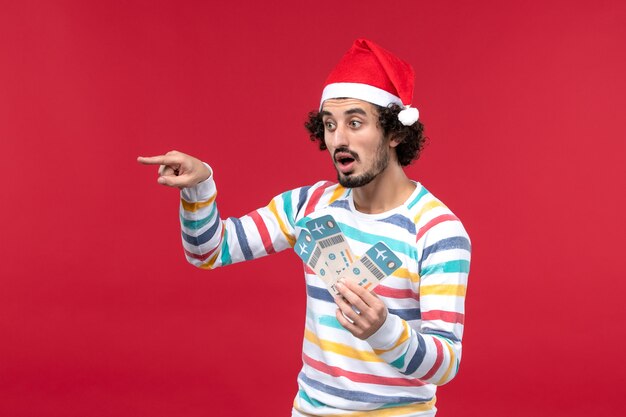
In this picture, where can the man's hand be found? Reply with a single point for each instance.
(178, 169)
(371, 315)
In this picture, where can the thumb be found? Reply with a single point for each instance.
(169, 180)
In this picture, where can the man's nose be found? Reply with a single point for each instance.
(340, 137)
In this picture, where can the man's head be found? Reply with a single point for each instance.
(366, 104)
(372, 135)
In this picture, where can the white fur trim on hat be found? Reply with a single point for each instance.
(359, 91)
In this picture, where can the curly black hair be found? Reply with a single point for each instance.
(411, 138)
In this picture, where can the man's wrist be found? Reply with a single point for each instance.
(202, 191)
(387, 335)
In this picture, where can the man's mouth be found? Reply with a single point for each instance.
(344, 160)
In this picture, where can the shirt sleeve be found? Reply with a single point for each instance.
(210, 242)
(431, 352)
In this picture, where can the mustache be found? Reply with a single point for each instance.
(344, 149)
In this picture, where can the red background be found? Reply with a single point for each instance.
(99, 313)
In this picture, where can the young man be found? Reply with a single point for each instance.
(364, 353)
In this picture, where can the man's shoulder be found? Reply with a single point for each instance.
(310, 198)
(423, 202)
(429, 212)
(322, 188)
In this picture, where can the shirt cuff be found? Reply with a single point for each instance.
(388, 334)
(200, 192)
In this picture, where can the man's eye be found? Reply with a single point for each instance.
(329, 125)
(355, 123)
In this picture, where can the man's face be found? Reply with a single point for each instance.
(355, 141)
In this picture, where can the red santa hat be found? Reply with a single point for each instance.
(370, 73)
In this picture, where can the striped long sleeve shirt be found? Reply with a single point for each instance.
(396, 370)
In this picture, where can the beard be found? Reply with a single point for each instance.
(379, 165)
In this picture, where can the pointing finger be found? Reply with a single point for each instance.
(158, 160)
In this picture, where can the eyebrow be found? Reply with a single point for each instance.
(355, 110)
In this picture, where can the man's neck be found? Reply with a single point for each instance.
(390, 189)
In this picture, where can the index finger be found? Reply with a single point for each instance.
(367, 296)
(157, 160)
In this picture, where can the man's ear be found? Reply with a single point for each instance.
(394, 140)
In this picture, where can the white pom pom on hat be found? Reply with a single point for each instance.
(408, 116)
(370, 73)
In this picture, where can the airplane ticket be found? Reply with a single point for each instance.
(333, 244)
(369, 270)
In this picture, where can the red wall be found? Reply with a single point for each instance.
(99, 313)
